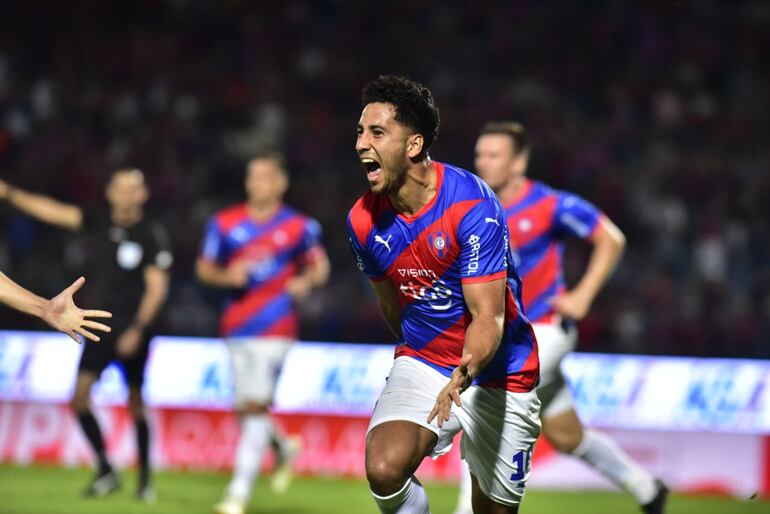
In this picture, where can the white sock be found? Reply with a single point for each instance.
(248, 455)
(603, 454)
(464, 499)
(410, 499)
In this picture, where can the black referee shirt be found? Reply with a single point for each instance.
(118, 257)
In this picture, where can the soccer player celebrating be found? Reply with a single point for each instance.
(539, 219)
(270, 256)
(433, 241)
(130, 259)
(59, 312)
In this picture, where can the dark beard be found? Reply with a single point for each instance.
(399, 177)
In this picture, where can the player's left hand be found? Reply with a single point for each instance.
(129, 341)
(61, 313)
(572, 305)
(459, 381)
(298, 287)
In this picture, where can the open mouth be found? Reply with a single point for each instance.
(372, 168)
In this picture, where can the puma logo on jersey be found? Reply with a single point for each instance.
(384, 242)
(492, 220)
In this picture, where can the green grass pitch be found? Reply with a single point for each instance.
(44, 490)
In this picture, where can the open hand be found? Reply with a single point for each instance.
(62, 314)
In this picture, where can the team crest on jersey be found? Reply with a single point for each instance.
(439, 243)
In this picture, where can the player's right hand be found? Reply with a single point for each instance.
(459, 381)
(4, 189)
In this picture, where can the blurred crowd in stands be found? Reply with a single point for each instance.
(658, 112)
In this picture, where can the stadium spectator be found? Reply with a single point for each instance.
(644, 112)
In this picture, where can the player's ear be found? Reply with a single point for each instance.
(414, 145)
(283, 183)
(144, 193)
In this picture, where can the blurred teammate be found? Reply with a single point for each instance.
(539, 219)
(433, 241)
(130, 259)
(270, 256)
(60, 312)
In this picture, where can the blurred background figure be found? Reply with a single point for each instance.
(129, 258)
(269, 256)
(539, 220)
(59, 312)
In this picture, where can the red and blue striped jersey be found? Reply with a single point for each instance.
(539, 219)
(276, 249)
(459, 237)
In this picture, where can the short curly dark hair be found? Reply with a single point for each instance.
(414, 104)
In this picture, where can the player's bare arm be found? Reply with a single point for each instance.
(486, 303)
(387, 297)
(235, 276)
(608, 244)
(315, 274)
(155, 293)
(43, 208)
(60, 312)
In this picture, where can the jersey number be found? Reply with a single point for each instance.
(523, 461)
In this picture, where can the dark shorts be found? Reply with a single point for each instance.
(97, 356)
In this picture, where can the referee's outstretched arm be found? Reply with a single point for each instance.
(43, 208)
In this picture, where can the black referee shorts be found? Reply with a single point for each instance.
(97, 356)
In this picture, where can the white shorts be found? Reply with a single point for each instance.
(499, 427)
(553, 343)
(256, 364)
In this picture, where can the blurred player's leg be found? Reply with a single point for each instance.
(144, 489)
(286, 450)
(256, 364)
(106, 480)
(93, 360)
(464, 499)
(565, 432)
(133, 368)
(248, 455)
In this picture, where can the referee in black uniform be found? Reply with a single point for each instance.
(129, 263)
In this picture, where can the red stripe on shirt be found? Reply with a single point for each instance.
(253, 301)
(542, 276)
(485, 278)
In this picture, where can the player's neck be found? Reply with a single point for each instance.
(510, 191)
(418, 189)
(262, 211)
(126, 217)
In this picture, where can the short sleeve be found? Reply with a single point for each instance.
(483, 237)
(311, 248)
(159, 250)
(364, 260)
(214, 247)
(576, 216)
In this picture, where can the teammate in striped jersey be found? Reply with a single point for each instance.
(269, 256)
(540, 219)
